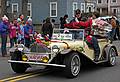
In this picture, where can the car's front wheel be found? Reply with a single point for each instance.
(18, 67)
(73, 64)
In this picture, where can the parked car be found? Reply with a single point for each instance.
(67, 50)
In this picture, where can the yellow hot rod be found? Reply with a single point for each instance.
(67, 50)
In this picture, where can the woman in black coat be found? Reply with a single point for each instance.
(47, 29)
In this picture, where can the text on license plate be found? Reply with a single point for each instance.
(36, 57)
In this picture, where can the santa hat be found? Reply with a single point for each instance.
(4, 18)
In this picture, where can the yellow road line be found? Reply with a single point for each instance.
(18, 79)
(10, 78)
(22, 77)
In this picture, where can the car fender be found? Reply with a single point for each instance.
(66, 51)
(12, 50)
(107, 48)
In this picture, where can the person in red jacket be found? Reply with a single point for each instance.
(90, 39)
(14, 30)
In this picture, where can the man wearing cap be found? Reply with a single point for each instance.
(28, 31)
(3, 33)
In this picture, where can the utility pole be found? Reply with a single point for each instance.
(24, 7)
(109, 10)
(85, 5)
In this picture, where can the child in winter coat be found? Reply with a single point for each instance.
(28, 32)
(14, 30)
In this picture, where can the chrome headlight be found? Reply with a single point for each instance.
(20, 49)
(55, 49)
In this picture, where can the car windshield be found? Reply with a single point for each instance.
(68, 34)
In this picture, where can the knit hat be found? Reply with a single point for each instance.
(29, 19)
(18, 20)
(48, 20)
(4, 18)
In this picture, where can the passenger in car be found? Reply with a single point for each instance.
(90, 39)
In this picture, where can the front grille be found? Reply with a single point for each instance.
(38, 48)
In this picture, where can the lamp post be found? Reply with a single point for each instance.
(85, 5)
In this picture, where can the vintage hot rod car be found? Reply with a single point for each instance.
(67, 50)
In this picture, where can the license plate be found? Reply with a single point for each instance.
(35, 57)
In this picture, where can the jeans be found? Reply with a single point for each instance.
(21, 41)
(12, 42)
(117, 35)
(75, 34)
(112, 34)
(3, 44)
(95, 46)
(27, 42)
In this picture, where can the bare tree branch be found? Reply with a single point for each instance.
(3, 7)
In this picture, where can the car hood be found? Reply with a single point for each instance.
(67, 44)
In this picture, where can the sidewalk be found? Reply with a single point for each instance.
(8, 45)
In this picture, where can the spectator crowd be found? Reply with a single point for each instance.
(21, 31)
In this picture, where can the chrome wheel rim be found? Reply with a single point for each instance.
(75, 65)
(112, 56)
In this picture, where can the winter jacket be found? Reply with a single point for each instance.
(62, 22)
(47, 29)
(4, 28)
(14, 30)
(28, 29)
(77, 25)
(21, 33)
(86, 25)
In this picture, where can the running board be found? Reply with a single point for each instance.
(102, 61)
(36, 63)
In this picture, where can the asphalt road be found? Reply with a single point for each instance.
(92, 73)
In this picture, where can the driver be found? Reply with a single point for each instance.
(90, 39)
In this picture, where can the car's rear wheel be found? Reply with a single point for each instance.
(111, 57)
(72, 62)
(18, 67)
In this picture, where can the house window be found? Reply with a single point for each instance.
(82, 7)
(114, 1)
(107, 1)
(14, 7)
(75, 7)
(90, 9)
(53, 9)
(29, 8)
(115, 10)
(8, 3)
(99, 1)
